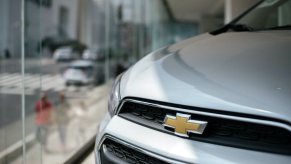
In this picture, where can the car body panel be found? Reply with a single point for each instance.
(76, 76)
(82, 63)
(94, 53)
(90, 54)
(243, 72)
(64, 53)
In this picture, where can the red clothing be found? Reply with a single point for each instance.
(43, 111)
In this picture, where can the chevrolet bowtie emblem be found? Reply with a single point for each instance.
(183, 125)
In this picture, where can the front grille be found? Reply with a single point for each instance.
(114, 152)
(220, 131)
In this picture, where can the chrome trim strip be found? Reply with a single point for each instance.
(237, 118)
(106, 136)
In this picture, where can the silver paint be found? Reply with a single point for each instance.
(235, 71)
(188, 151)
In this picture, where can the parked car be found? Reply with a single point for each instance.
(221, 97)
(52, 43)
(82, 72)
(92, 54)
(64, 54)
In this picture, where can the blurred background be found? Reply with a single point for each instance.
(58, 59)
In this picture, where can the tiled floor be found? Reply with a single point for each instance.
(94, 114)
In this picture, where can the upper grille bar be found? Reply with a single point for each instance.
(241, 132)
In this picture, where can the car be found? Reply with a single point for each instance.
(79, 73)
(220, 97)
(92, 54)
(64, 54)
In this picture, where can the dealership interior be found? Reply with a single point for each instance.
(64, 55)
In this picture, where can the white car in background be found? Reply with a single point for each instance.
(92, 54)
(79, 73)
(64, 54)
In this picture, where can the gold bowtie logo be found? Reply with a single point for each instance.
(183, 125)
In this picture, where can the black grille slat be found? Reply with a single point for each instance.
(218, 131)
(127, 154)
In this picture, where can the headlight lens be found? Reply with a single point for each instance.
(114, 98)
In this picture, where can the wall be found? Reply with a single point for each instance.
(4, 5)
(233, 8)
(9, 30)
(72, 6)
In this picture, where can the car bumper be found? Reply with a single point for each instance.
(63, 59)
(174, 149)
(77, 82)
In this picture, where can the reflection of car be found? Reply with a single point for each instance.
(80, 73)
(64, 54)
(221, 97)
(92, 54)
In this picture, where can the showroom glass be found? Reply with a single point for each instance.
(20, 81)
(132, 29)
(267, 15)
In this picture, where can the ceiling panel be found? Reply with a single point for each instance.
(193, 10)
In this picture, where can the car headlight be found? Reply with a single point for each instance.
(114, 98)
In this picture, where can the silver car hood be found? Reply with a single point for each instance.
(242, 72)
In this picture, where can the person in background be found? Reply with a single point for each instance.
(62, 118)
(7, 54)
(43, 109)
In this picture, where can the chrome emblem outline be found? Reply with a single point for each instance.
(183, 125)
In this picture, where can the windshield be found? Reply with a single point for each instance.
(270, 14)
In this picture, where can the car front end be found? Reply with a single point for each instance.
(240, 128)
(221, 97)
